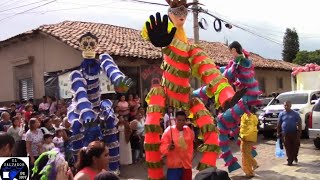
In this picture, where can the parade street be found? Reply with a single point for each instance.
(271, 168)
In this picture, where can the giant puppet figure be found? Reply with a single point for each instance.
(83, 112)
(240, 72)
(182, 61)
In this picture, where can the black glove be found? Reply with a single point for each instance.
(158, 31)
(235, 99)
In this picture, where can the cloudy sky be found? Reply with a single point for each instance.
(267, 18)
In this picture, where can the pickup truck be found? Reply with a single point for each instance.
(314, 124)
(302, 102)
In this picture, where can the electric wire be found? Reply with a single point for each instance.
(240, 27)
(10, 3)
(249, 29)
(17, 7)
(27, 10)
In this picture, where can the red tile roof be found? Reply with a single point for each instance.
(126, 42)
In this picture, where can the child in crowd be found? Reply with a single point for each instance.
(137, 100)
(56, 122)
(58, 140)
(133, 111)
(47, 143)
(135, 141)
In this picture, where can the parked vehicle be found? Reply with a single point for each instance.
(302, 102)
(314, 124)
(305, 91)
(264, 103)
(3, 110)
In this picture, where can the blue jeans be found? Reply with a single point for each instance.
(174, 174)
(135, 155)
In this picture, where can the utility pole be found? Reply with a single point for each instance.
(196, 22)
(195, 10)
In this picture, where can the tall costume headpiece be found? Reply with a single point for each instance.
(178, 3)
(179, 7)
(88, 45)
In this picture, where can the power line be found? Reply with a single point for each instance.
(142, 2)
(9, 3)
(5, 2)
(17, 7)
(239, 27)
(130, 1)
(146, 2)
(84, 7)
(277, 33)
(27, 10)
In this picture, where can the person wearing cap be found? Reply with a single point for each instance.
(248, 136)
(177, 146)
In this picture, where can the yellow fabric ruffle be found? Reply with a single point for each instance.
(151, 147)
(154, 165)
(154, 92)
(153, 129)
(209, 148)
(175, 88)
(217, 93)
(155, 108)
(202, 166)
(201, 113)
(177, 104)
(208, 128)
(173, 70)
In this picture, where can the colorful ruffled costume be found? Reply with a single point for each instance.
(239, 71)
(46, 166)
(181, 62)
(86, 96)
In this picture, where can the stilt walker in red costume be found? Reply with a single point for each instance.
(181, 61)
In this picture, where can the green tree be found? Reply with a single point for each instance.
(305, 57)
(290, 45)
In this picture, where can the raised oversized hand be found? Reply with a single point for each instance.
(158, 31)
(123, 85)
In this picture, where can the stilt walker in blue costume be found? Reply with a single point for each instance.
(82, 113)
(240, 72)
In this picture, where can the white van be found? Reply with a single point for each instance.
(302, 102)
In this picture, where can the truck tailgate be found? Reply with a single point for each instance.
(314, 133)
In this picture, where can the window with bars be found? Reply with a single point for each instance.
(26, 88)
(280, 83)
(262, 85)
